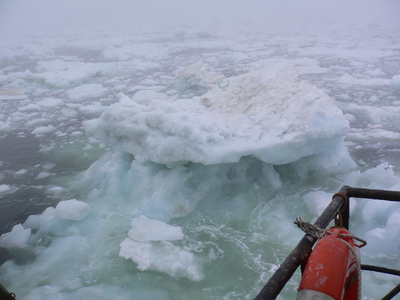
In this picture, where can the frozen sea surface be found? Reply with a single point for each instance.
(171, 165)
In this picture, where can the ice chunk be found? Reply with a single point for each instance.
(42, 175)
(30, 108)
(43, 129)
(145, 229)
(21, 172)
(92, 110)
(148, 246)
(72, 210)
(395, 81)
(4, 126)
(16, 238)
(63, 74)
(380, 177)
(348, 79)
(265, 113)
(7, 189)
(145, 97)
(50, 102)
(55, 190)
(387, 236)
(4, 188)
(198, 74)
(162, 256)
(86, 91)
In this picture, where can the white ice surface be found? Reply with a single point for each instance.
(86, 91)
(9, 94)
(266, 113)
(4, 188)
(72, 210)
(7, 189)
(395, 81)
(16, 238)
(145, 229)
(43, 129)
(148, 245)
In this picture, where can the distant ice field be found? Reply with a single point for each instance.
(172, 164)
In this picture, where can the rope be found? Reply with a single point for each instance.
(319, 233)
(309, 228)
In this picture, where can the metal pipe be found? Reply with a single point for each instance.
(392, 293)
(380, 269)
(373, 194)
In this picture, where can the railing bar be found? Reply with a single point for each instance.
(392, 293)
(380, 269)
(373, 194)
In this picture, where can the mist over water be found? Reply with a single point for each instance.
(44, 16)
(163, 150)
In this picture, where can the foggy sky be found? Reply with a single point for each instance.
(33, 16)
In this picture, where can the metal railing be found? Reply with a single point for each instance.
(299, 255)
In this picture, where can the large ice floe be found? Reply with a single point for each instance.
(264, 117)
(265, 113)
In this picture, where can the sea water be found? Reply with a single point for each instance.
(172, 164)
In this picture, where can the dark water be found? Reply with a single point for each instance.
(22, 166)
(21, 153)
